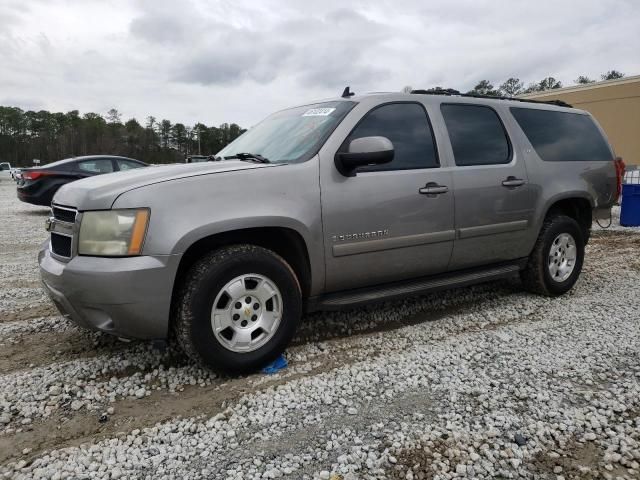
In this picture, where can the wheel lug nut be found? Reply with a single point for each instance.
(254, 318)
(256, 306)
(248, 300)
(236, 316)
(238, 305)
(244, 323)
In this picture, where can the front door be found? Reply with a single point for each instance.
(388, 222)
(494, 208)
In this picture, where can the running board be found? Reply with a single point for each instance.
(378, 293)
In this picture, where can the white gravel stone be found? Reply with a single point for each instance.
(480, 366)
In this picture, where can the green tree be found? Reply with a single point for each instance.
(178, 135)
(612, 75)
(549, 83)
(52, 136)
(151, 122)
(484, 87)
(583, 80)
(511, 87)
(113, 116)
(165, 132)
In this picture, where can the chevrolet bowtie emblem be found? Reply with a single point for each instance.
(247, 312)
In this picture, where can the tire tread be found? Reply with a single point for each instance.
(183, 316)
(533, 275)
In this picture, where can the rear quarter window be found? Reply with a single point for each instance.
(562, 136)
(477, 135)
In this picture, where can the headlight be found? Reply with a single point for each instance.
(113, 233)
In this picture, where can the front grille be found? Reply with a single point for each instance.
(61, 244)
(64, 214)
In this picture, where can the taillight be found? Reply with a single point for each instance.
(34, 175)
(620, 166)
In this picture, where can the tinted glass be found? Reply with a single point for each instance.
(99, 165)
(562, 136)
(128, 164)
(477, 135)
(407, 126)
(292, 135)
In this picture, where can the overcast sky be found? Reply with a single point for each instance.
(238, 60)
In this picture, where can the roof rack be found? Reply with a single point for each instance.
(452, 92)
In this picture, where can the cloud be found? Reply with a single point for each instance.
(236, 61)
(230, 60)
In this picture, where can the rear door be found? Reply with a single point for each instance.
(494, 205)
(381, 225)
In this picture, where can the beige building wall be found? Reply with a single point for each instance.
(616, 106)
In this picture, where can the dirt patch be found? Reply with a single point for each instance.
(43, 310)
(418, 460)
(615, 239)
(579, 461)
(38, 349)
(67, 428)
(310, 332)
(21, 283)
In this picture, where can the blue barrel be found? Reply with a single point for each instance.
(630, 209)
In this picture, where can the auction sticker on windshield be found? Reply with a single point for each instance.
(318, 112)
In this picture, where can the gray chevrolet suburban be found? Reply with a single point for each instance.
(329, 205)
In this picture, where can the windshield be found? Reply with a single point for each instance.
(292, 135)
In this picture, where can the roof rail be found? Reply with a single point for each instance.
(452, 92)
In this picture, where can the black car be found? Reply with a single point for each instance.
(38, 185)
(197, 158)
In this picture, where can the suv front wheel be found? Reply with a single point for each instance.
(238, 308)
(556, 260)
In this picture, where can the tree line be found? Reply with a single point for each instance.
(514, 86)
(47, 136)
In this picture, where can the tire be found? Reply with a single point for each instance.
(220, 276)
(537, 277)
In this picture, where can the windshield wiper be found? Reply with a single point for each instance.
(250, 157)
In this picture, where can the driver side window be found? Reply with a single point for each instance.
(408, 128)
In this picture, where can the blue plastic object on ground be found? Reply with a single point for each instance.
(630, 208)
(275, 366)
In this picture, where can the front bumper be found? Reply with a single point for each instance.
(129, 297)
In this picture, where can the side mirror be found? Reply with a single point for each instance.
(362, 152)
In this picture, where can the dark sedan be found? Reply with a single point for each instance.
(38, 185)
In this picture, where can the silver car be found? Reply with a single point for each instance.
(325, 206)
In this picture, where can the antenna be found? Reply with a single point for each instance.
(347, 93)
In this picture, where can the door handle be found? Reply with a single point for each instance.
(433, 188)
(513, 182)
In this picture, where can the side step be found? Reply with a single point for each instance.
(378, 293)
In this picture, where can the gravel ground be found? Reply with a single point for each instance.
(481, 382)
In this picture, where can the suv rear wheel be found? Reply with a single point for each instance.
(238, 308)
(556, 260)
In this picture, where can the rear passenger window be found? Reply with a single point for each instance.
(96, 166)
(408, 128)
(127, 165)
(562, 136)
(477, 135)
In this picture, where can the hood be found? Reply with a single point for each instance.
(99, 192)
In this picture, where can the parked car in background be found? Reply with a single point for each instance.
(197, 158)
(6, 167)
(326, 206)
(38, 185)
